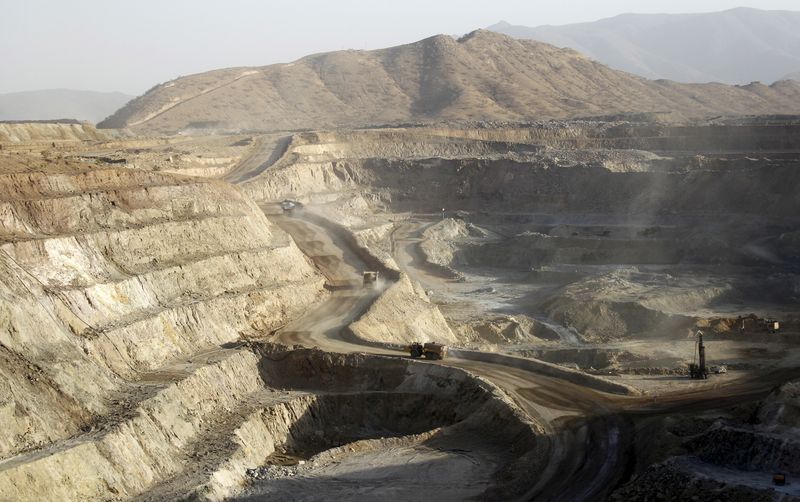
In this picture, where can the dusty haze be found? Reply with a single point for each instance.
(130, 46)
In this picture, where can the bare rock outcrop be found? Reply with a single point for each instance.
(110, 273)
(403, 314)
(43, 132)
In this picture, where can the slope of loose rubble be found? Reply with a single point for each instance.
(730, 460)
(401, 315)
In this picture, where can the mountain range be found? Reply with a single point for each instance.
(736, 46)
(481, 76)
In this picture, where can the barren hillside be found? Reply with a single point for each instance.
(165, 336)
(483, 75)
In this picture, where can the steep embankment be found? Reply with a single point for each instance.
(578, 198)
(45, 132)
(580, 167)
(111, 274)
(481, 76)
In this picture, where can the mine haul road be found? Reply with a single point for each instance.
(592, 435)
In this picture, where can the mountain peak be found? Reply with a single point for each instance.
(484, 35)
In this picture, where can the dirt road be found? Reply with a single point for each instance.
(266, 151)
(591, 434)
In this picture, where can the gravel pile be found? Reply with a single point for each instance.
(747, 449)
(667, 482)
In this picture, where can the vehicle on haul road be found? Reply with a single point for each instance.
(430, 350)
(370, 279)
(288, 207)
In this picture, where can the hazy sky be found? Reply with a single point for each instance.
(129, 46)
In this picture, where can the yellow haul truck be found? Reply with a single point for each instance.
(430, 350)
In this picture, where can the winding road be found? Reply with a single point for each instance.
(591, 434)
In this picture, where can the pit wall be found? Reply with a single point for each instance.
(112, 273)
(424, 181)
(482, 140)
(51, 387)
(536, 250)
(360, 393)
(303, 419)
(477, 185)
(43, 132)
(126, 458)
(487, 410)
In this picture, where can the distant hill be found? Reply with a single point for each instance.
(736, 46)
(60, 104)
(482, 76)
(792, 76)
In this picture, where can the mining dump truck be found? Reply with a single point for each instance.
(430, 350)
(288, 207)
(370, 279)
(698, 369)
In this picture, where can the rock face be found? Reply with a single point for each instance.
(111, 274)
(34, 132)
(546, 167)
(403, 314)
(482, 76)
(577, 194)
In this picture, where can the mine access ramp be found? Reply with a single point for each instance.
(289, 206)
(370, 278)
(430, 350)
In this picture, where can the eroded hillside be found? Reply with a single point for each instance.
(482, 76)
(110, 276)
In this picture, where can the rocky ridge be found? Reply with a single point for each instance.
(481, 76)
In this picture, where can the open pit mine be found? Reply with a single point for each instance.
(455, 304)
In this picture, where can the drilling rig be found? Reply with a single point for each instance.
(698, 369)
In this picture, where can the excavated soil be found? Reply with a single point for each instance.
(598, 248)
(159, 315)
